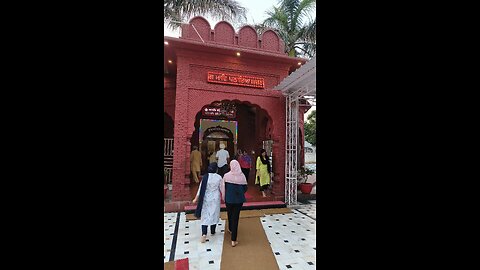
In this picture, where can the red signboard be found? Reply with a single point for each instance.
(247, 81)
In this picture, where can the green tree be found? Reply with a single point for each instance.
(311, 128)
(292, 21)
(182, 10)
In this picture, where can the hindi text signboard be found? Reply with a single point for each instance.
(239, 80)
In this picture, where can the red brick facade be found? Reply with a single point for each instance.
(188, 91)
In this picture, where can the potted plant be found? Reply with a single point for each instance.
(303, 174)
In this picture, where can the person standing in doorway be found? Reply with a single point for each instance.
(223, 157)
(195, 163)
(245, 163)
(212, 158)
(235, 186)
(208, 198)
(262, 177)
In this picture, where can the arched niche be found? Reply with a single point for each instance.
(271, 41)
(224, 33)
(247, 37)
(202, 26)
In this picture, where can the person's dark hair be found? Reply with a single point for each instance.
(212, 168)
(266, 160)
(195, 147)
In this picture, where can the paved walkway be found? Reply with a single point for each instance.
(292, 238)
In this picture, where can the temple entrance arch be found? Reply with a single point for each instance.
(239, 124)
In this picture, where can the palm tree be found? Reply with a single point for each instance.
(292, 22)
(179, 10)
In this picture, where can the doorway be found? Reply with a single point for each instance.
(210, 143)
(249, 128)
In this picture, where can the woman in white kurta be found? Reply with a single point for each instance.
(210, 205)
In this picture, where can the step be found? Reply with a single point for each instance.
(181, 264)
(189, 209)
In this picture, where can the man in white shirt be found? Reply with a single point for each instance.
(223, 158)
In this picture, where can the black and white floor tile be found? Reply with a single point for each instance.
(200, 255)
(293, 233)
(309, 209)
(170, 220)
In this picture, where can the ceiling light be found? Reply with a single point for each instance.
(166, 42)
(170, 61)
(299, 63)
(238, 53)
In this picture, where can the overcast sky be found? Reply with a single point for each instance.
(255, 14)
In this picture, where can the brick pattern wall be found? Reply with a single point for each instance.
(180, 177)
(270, 41)
(169, 84)
(224, 33)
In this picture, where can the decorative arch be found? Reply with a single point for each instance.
(224, 33)
(197, 110)
(248, 37)
(196, 104)
(271, 41)
(203, 27)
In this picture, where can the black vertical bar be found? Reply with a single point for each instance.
(174, 241)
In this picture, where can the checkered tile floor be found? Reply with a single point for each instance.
(288, 234)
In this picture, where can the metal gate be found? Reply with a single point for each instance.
(167, 160)
(291, 160)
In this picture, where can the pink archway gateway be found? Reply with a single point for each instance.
(254, 68)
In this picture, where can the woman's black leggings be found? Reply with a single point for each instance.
(246, 172)
(233, 212)
(212, 229)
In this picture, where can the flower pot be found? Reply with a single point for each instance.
(306, 188)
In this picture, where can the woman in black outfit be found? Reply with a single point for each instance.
(235, 188)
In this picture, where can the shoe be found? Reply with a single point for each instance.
(234, 243)
(203, 239)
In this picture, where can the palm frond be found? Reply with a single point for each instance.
(311, 31)
(293, 23)
(182, 10)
